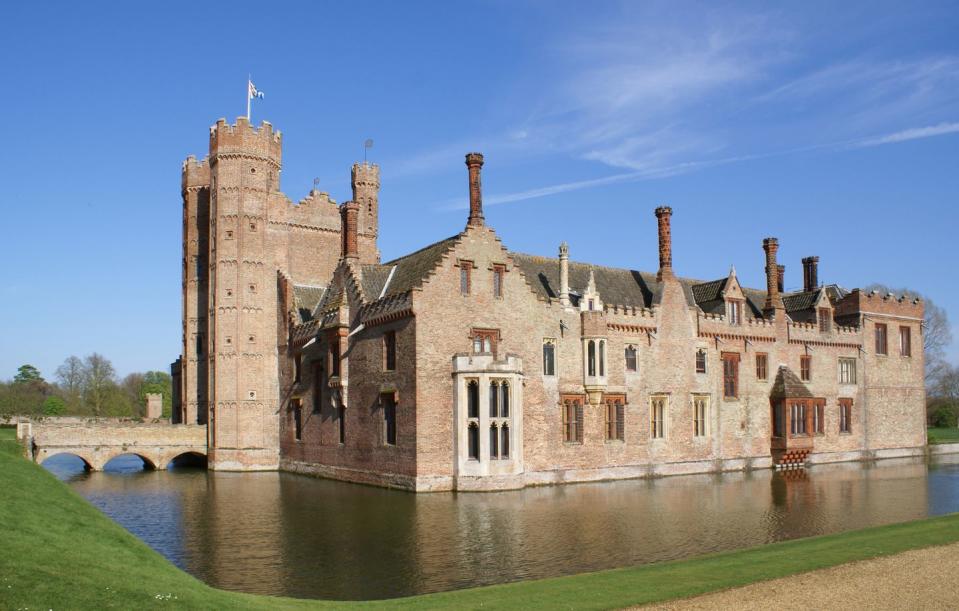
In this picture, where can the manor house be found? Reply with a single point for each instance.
(467, 366)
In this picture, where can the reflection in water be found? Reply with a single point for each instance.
(277, 533)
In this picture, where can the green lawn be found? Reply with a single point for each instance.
(943, 435)
(58, 551)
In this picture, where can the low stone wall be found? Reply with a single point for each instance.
(936, 449)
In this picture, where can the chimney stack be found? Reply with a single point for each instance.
(810, 273)
(663, 213)
(774, 300)
(474, 161)
(564, 274)
(349, 212)
(781, 278)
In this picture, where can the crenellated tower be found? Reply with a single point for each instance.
(244, 388)
(365, 179)
(195, 189)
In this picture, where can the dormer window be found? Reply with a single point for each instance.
(734, 312)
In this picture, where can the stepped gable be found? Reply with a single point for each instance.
(789, 386)
(305, 300)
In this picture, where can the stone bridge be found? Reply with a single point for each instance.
(97, 441)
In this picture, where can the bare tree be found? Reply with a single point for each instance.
(99, 380)
(936, 334)
(70, 375)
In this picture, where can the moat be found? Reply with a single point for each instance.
(282, 534)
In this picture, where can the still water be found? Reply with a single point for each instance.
(283, 534)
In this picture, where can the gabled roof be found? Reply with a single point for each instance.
(410, 272)
(305, 300)
(616, 286)
(788, 386)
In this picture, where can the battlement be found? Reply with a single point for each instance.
(874, 302)
(365, 172)
(245, 139)
(195, 173)
(622, 310)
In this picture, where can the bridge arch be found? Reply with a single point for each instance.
(148, 463)
(88, 462)
(189, 458)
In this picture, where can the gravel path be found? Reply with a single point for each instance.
(919, 579)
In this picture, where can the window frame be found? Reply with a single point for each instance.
(731, 375)
(762, 366)
(466, 277)
(701, 352)
(658, 416)
(572, 415)
(845, 416)
(615, 411)
(631, 353)
(824, 316)
(549, 365)
(297, 408)
(499, 279)
(850, 370)
(734, 312)
(389, 350)
(882, 338)
(487, 337)
(905, 341)
(701, 416)
(390, 423)
(805, 367)
(317, 381)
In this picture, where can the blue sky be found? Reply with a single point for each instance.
(834, 128)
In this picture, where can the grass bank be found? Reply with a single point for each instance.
(943, 435)
(58, 551)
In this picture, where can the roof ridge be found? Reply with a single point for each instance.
(425, 248)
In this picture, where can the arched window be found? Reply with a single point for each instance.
(493, 399)
(504, 445)
(473, 441)
(493, 442)
(591, 358)
(630, 358)
(602, 358)
(472, 399)
(504, 403)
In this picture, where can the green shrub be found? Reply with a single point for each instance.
(945, 416)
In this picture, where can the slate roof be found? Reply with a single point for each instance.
(410, 272)
(788, 386)
(305, 300)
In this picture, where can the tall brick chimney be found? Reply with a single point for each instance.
(564, 274)
(810, 273)
(474, 161)
(348, 215)
(781, 278)
(774, 300)
(663, 213)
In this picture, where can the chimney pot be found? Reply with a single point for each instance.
(663, 214)
(474, 161)
(774, 300)
(349, 212)
(810, 273)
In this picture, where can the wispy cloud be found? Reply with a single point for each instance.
(660, 172)
(914, 133)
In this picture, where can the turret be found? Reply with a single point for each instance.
(365, 179)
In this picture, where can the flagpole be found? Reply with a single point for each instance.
(249, 79)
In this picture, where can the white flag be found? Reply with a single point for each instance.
(254, 93)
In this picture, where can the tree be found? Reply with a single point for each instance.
(99, 380)
(54, 406)
(70, 375)
(27, 374)
(936, 333)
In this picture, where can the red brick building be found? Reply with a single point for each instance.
(467, 366)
